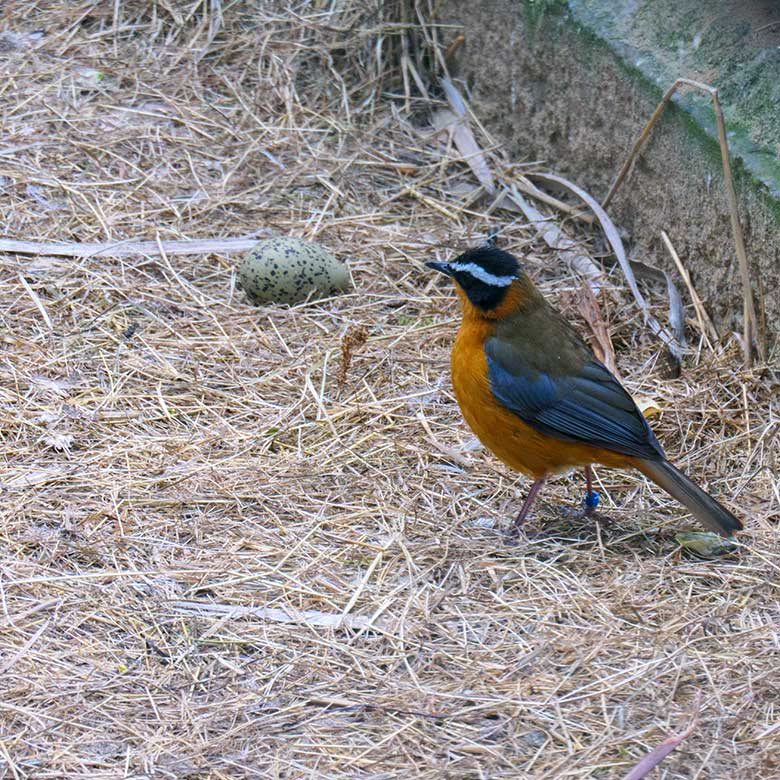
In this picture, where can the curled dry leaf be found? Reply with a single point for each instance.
(676, 307)
(355, 337)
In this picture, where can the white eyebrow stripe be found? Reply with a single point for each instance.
(478, 272)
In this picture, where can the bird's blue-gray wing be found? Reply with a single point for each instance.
(589, 406)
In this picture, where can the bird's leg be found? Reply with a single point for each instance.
(525, 508)
(591, 496)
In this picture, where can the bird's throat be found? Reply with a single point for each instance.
(519, 295)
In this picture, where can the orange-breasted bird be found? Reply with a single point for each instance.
(536, 396)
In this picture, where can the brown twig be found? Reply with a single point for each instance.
(355, 337)
(527, 187)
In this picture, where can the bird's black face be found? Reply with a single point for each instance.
(484, 273)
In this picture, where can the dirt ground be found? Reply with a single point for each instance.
(233, 545)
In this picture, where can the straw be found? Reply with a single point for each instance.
(223, 557)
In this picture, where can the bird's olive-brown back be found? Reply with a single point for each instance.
(533, 335)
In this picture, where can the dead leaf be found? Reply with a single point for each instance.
(309, 617)
(22, 479)
(551, 234)
(355, 337)
(47, 418)
(463, 137)
(59, 387)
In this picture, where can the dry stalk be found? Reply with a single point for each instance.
(706, 327)
(197, 246)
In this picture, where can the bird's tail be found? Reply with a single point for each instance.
(701, 505)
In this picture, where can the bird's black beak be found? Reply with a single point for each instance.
(444, 268)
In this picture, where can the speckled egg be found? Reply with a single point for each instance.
(287, 269)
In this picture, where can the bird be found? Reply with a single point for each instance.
(536, 396)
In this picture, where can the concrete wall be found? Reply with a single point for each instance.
(551, 87)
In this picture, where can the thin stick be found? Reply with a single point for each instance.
(705, 323)
(638, 144)
(750, 319)
(198, 246)
(575, 212)
(750, 323)
(37, 301)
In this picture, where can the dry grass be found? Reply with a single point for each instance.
(191, 500)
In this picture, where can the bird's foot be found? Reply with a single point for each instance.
(528, 532)
(588, 508)
(514, 530)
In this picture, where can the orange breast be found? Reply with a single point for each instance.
(511, 440)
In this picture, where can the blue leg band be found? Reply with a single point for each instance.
(592, 499)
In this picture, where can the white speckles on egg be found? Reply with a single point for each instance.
(288, 269)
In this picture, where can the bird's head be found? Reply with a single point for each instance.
(484, 275)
